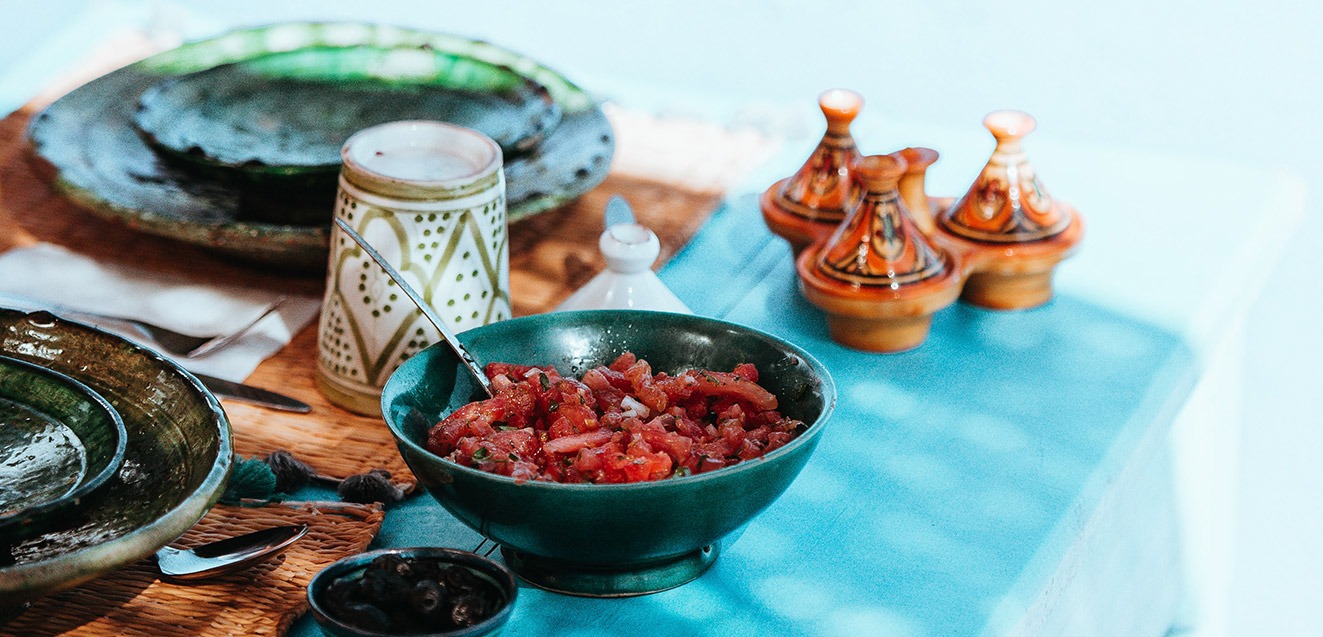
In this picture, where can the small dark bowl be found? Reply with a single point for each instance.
(490, 570)
(608, 540)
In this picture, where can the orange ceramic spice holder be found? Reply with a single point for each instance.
(912, 192)
(1011, 233)
(808, 205)
(878, 278)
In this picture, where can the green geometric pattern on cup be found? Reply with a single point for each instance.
(456, 259)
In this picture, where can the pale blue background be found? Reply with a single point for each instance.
(1237, 81)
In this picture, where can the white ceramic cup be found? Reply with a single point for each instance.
(430, 197)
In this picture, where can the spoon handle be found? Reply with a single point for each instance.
(459, 349)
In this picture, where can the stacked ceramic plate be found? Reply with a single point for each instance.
(233, 142)
(107, 453)
(59, 443)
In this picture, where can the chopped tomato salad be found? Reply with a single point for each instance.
(619, 423)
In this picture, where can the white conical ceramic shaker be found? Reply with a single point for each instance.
(628, 281)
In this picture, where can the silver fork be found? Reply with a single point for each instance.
(171, 341)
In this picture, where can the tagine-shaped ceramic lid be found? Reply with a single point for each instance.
(1007, 203)
(878, 278)
(912, 189)
(628, 281)
(1011, 232)
(808, 205)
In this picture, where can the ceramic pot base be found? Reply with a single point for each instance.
(586, 580)
(1008, 291)
(354, 399)
(887, 335)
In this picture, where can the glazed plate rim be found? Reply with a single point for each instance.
(88, 484)
(101, 190)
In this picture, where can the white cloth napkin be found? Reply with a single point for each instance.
(45, 275)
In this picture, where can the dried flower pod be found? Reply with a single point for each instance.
(291, 473)
(366, 488)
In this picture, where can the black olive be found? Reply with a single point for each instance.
(458, 579)
(384, 588)
(425, 569)
(342, 591)
(467, 610)
(428, 599)
(363, 616)
(394, 565)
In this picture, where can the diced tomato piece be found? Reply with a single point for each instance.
(732, 432)
(473, 419)
(776, 440)
(678, 447)
(512, 371)
(689, 428)
(678, 388)
(518, 405)
(746, 371)
(606, 394)
(623, 362)
(642, 463)
(749, 449)
(737, 387)
(575, 442)
(644, 389)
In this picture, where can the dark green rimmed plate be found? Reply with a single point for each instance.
(100, 161)
(177, 459)
(283, 117)
(59, 442)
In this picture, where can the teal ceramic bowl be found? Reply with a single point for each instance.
(176, 460)
(493, 572)
(59, 442)
(617, 539)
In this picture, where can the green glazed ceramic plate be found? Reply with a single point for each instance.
(59, 442)
(176, 461)
(100, 161)
(288, 114)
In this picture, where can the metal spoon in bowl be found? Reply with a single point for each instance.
(226, 556)
(459, 349)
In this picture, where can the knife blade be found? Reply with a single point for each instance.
(252, 395)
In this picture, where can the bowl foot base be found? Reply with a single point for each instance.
(587, 580)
